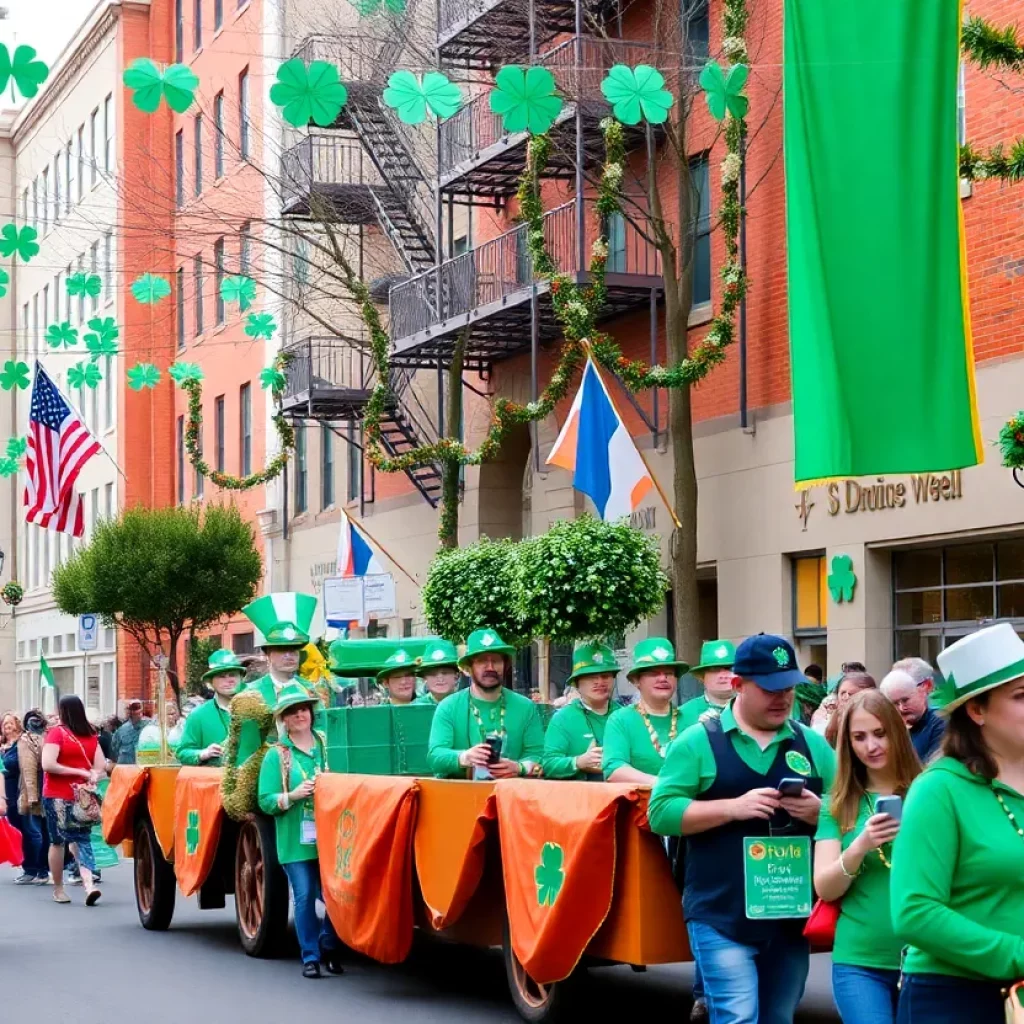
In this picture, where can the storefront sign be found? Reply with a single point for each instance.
(645, 518)
(777, 877)
(922, 489)
(379, 596)
(318, 572)
(343, 600)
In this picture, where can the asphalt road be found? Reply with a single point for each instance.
(52, 955)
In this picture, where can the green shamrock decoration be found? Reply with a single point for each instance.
(180, 373)
(16, 447)
(102, 339)
(549, 875)
(143, 375)
(272, 380)
(367, 8)
(84, 284)
(842, 579)
(150, 288)
(724, 93)
(192, 833)
(8, 467)
(525, 99)
(238, 289)
(15, 375)
(636, 93)
(84, 375)
(62, 335)
(176, 84)
(260, 325)
(19, 241)
(24, 73)
(305, 94)
(781, 656)
(5, 280)
(412, 97)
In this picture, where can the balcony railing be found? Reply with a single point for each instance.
(327, 363)
(502, 267)
(357, 57)
(319, 160)
(474, 128)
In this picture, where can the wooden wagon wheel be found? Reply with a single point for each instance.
(533, 1001)
(261, 889)
(154, 879)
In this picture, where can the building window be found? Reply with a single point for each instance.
(81, 295)
(179, 301)
(218, 433)
(197, 25)
(961, 106)
(810, 596)
(243, 643)
(695, 13)
(179, 31)
(243, 114)
(300, 262)
(245, 424)
(108, 266)
(326, 466)
(35, 324)
(702, 231)
(57, 194)
(94, 268)
(67, 294)
(35, 203)
(301, 469)
(181, 460)
(245, 248)
(354, 461)
(80, 159)
(197, 287)
(179, 168)
(218, 135)
(108, 501)
(46, 199)
(69, 177)
(616, 243)
(24, 205)
(108, 394)
(218, 271)
(109, 158)
(94, 167)
(56, 296)
(197, 140)
(46, 301)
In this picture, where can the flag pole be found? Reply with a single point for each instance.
(391, 558)
(643, 458)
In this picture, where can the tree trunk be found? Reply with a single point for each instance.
(172, 667)
(451, 468)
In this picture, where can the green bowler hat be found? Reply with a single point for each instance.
(593, 660)
(400, 661)
(655, 652)
(716, 654)
(292, 695)
(221, 662)
(485, 641)
(438, 654)
(979, 662)
(282, 620)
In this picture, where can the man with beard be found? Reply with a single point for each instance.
(467, 723)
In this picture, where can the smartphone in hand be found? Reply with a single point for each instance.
(891, 805)
(792, 787)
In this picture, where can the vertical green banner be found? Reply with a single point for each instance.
(880, 336)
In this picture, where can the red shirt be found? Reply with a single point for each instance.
(75, 752)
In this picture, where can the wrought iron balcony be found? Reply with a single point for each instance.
(489, 290)
(336, 169)
(328, 378)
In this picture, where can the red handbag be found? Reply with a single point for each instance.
(10, 844)
(820, 929)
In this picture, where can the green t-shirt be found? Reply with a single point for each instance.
(864, 934)
(571, 732)
(288, 824)
(627, 743)
(207, 724)
(690, 712)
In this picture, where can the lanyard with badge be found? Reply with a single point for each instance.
(307, 827)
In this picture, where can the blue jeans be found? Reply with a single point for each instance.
(313, 936)
(943, 999)
(744, 984)
(865, 995)
(33, 846)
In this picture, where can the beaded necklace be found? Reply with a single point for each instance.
(645, 715)
(886, 863)
(480, 720)
(1009, 813)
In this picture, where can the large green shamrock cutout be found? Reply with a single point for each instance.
(176, 84)
(102, 339)
(272, 379)
(24, 73)
(842, 579)
(62, 335)
(637, 92)
(238, 289)
(8, 467)
(192, 833)
(724, 92)
(549, 875)
(412, 96)
(260, 325)
(150, 288)
(180, 373)
(5, 280)
(143, 375)
(525, 99)
(84, 375)
(19, 241)
(305, 94)
(84, 284)
(16, 447)
(366, 8)
(15, 375)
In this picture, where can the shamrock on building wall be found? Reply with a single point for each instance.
(182, 372)
(549, 874)
(102, 337)
(62, 335)
(8, 467)
(84, 375)
(637, 93)
(724, 93)
(260, 325)
(368, 8)
(14, 375)
(20, 242)
(238, 289)
(412, 97)
(314, 93)
(150, 288)
(84, 284)
(272, 379)
(842, 579)
(176, 85)
(525, 99)
(5, 280)
(143, 375)
(16, 447)
(23, 72)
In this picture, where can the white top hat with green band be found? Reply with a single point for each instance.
(281, 620)
(979, 662)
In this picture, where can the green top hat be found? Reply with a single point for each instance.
(593, 660)
(292, 695)
(400, 661)
(223, 661)
(978, 662)
(485, 641)
(438, 654)
(655, 652)
(282, 620)
(716, 654)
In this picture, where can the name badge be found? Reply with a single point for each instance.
(481, 774)
(307, 831)
(777, 877)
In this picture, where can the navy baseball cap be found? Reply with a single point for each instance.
(769, 661)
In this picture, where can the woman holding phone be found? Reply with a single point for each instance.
(957, 881)
(875, 764)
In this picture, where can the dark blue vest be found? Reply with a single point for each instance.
(714, 891)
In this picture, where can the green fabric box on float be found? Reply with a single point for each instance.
(380, 740)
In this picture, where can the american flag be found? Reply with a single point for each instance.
(59, 445)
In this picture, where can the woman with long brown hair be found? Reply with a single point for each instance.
(874, 760)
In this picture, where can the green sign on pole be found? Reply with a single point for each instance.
(777, 877)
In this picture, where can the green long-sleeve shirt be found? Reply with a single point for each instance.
(249, 738)
(571, 732)
(288, 824)
(690, 767)
(627, 743)
(455, 728)
(957, 895)
(207, 724)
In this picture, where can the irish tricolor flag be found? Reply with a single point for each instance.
(880, 334)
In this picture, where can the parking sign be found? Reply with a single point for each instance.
(88, 632)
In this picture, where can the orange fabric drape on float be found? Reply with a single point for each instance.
(126, 785)
(198, 816)
(558, 851)
(364, 828)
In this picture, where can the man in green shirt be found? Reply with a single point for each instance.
(206, 729)
(464, 721)
(715, 674)
(439, 671)
(398, 677)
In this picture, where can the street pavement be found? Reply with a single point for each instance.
(78, 965)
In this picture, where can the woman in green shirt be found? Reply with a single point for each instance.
(575, 736)
(287, 781)
(957, 878)
(853, 855)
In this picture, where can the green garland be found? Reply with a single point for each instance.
(272, 470)
(1011, 442)
(989, 46)
(976, 165)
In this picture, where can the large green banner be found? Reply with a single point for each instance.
(880, 336)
